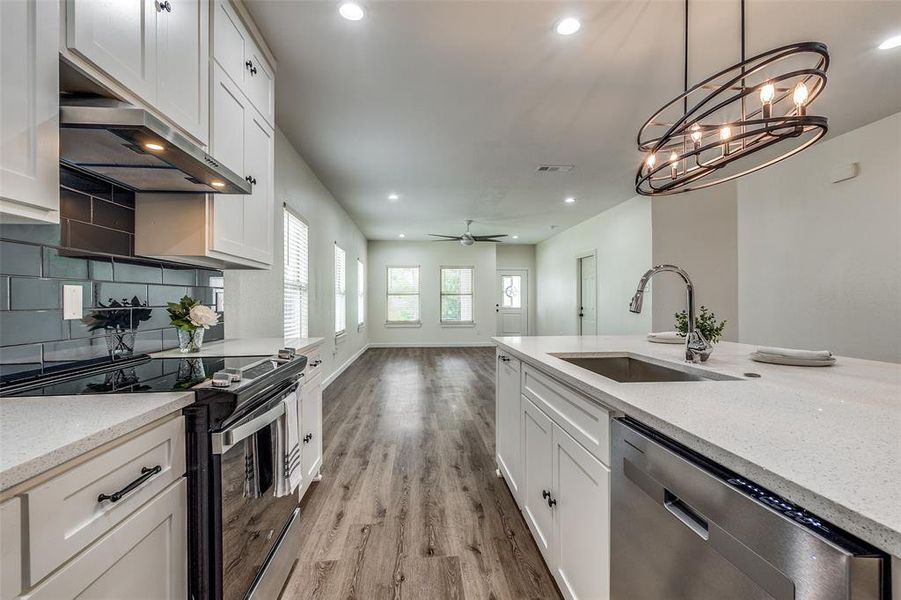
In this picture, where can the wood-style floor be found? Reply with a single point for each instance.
(409, 505)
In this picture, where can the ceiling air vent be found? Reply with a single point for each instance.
(554, 168)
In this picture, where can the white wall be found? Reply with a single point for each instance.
(622, 238)
(819, 263)
(430, 256)
(254, 299)
(697, 231)
(518, 256)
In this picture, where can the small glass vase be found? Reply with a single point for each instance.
(190, 341)
(120, 343)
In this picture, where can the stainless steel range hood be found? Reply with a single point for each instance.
(132, 148)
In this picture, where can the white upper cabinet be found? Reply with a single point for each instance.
(118, 36)
(183, 51)
(29, 111)
(243, 61)
(158, 51)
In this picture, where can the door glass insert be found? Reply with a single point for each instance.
(512, 286)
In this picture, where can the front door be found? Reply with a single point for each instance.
(512, 301)
(588, 319)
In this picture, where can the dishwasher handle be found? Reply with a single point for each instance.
(686, 514)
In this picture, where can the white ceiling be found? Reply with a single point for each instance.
(453, 104)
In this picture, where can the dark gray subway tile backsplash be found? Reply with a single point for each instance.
(91, 247)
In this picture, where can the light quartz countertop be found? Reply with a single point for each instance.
(826, 438)
(245, 347)
(38, 433)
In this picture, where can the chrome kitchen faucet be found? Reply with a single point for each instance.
(697, 347)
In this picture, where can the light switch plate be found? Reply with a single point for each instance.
(72, 304)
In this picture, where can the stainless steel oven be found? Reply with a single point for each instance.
(243, 539)
(258, 542)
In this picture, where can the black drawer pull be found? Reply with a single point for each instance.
(307, 438)
(146, 473)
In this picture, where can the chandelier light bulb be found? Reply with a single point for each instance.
(652, 160)
(673, 157)
(800, 97)
(767, 93)
(674, 165)
(696, 135)
(725, 135)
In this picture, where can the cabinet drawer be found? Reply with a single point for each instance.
(314, 365)
(65, 514)
(146, 556)
(576, 414)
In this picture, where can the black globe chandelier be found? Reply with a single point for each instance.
(759, 103)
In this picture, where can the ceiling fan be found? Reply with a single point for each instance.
(468, 239)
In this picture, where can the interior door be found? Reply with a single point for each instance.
(588, 290)
(512, 302)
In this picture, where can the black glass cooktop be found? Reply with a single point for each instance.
(140, 374)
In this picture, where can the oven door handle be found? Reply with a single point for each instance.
(224, 440)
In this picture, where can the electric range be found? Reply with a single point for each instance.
(242, 537)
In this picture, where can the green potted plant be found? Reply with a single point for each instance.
(706, 323)
(191, 319)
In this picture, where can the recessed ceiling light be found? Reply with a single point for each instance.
(351, 11)
(217, 184)
(570, 200)
(892, 42)
(152, 146)
(515, 237)
(393, 197)
(568, 26)
(401, 236)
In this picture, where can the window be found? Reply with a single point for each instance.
(361, 294)
(512, 287)
(297, 277)
(456, 294)
(340, 292)
(403, 295)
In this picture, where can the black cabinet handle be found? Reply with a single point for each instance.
(146, 473)
(504, 358)
(251, 180)
(253, 70)
(551, 502)
(545, 494)
(315, 363)
(164, 6)
(248, 65)
(307, 438)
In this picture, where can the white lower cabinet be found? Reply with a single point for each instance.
(538, 445)
(144, 557)
(311, 429)
(564, 487)
(508, 414)
(581, 496)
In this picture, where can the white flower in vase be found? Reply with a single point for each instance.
(203, 316)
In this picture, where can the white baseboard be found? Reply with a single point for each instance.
(433, 345)
(328, 380)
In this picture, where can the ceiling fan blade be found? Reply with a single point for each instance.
(491, 240)
(488, 237)
(450, 237)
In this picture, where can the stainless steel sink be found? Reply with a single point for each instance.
(630, 369)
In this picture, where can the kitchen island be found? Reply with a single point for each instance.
(828, 439)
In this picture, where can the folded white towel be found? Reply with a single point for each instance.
(793, 353)
(287, 453)
(666, 335)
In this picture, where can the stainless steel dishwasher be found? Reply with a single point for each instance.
(685, 528)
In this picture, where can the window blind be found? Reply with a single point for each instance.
(296, 276)
(361, 293)
(340, 292)
(456, 294)
(403, 295)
